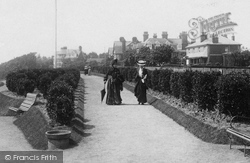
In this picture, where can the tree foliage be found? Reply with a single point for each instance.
(162, 54)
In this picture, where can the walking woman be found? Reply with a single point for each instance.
(114, 81)
(141, 87)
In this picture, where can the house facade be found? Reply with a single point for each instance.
(214, 50)
(65, 53)
(179, 44)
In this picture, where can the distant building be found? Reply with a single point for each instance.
(179, 44)
(65, 53)
(213, 50)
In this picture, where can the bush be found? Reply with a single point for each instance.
(164, 81)
(233, 94)
(174, 84)
(25, 86)
(185, 83)
(204, 89)
(44, 84)
(60, 105)
(155, 80)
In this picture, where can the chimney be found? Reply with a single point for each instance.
(233, 38)
(123, 44)
(155, 35)
(134, 40)
(184, 39)
(145, 36)
(165, 35)
(203, 36)
(215, 39)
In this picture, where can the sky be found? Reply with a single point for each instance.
(30, 25)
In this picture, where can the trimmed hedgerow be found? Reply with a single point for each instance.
(174, 84)
(185, 83)
(164, 81)
(205, 90)
(155, 80)
(229, 93)
(233, 94)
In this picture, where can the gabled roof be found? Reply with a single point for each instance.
(221, 41)
(175, 40)
(118, 46)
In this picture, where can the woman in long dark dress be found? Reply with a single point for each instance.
(114, 81)
(141, 87)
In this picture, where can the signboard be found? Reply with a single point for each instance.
(218, 25)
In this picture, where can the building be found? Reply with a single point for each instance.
(119, 47)
(214, 50)
(66, 53)
(179, 44)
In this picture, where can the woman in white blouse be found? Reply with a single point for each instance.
(141, 87)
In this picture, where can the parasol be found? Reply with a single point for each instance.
(103, 92)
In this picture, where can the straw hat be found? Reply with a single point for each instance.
(141, 62)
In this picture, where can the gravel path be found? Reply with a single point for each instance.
(132, 133)
(11, 138)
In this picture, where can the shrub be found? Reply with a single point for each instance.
(149, 78)
(60, 105)
(12, 81)
(164, 81)
(44, 84)
(24, 86)
(61, 110)
(204, 89)
(185, 82)
(155, 80)
(174, 84)
(233, 93)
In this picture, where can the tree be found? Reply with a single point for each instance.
(162, 54)
(130, 57)
(144, 54)
(93, 55)
(103, 55)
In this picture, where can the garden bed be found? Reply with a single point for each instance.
(35, 122)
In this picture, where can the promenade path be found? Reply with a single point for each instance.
(132, 133)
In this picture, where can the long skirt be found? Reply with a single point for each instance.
(113, 93)
(140, 92)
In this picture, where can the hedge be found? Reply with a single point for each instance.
(231, 92)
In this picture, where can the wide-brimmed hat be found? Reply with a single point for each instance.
(141, 62)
